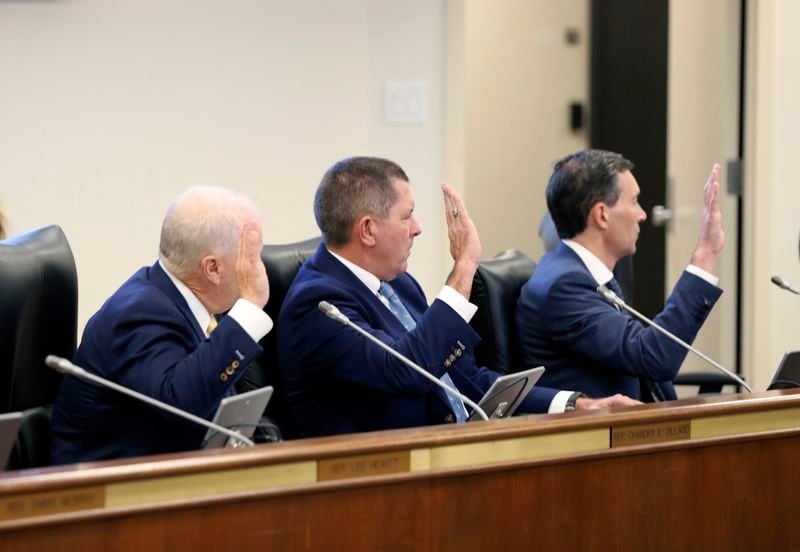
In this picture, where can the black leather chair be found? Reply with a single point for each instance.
(282, 263)
(39, 309)
(495, 291)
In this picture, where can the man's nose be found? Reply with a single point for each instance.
(416, 229)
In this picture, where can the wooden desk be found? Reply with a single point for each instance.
(699, 474)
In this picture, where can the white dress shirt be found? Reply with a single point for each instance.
(450, 296)
(602, 275)
(250, 317)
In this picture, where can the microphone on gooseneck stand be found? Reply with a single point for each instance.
(64, 366)
(612, 298)
(783, 284)
(336, 314)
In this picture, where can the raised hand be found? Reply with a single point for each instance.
(250, 271)
(465, 244)
(712, 237)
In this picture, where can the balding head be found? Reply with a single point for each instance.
(202, 221)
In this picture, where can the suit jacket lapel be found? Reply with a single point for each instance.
(160, 279)
(330, 265)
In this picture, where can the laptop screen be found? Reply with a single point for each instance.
(787, 376)
(9, 426)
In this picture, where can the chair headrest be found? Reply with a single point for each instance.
(39, 298)
(282, 263)
(495, 291)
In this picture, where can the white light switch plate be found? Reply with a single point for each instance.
(405, 102)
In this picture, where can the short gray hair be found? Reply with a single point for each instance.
(204, 220)
(352, 188)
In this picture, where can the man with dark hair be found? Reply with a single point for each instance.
(584, 342)
(336, 381)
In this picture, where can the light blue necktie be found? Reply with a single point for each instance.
(401, 313)
(396, 306)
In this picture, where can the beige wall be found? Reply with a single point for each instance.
(772, 194)
(108, 109)
(703, 128)
(519, 77)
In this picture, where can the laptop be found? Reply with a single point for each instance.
(240, 413)
(506, 393)
(787, 376)
(9, 426)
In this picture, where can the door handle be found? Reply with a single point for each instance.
(660, 215)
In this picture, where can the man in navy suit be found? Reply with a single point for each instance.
(336, 381)
(158, 335)
(583, 341)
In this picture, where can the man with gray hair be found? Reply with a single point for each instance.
(158, 334)
(338, 382)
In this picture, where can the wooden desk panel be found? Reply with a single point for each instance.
(737, 491)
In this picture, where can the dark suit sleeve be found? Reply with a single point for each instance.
(158, 355)
(327, 350)
(579, 320)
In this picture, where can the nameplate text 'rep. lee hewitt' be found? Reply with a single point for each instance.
(51, 502)
(364, 465)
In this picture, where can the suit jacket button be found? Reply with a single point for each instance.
(235, 364)
(223, 376)
(447, 363)
(230, 370)
(458, 353)
(450, 419)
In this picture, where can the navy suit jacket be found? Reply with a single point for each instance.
(145, 337)
(587, 344)
(337, 381)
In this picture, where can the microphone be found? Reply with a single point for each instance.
(64, 366)
(612, 298)
(783, 284)
(332, 312)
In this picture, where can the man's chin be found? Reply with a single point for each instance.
(402, 268)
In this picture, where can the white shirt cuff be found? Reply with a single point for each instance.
(458, 303)
(700, 273)
(252, 319)
(559, 402)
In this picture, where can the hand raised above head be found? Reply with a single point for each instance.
(250, 271)
(712, 237)
(465, 244)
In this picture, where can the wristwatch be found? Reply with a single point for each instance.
(573, 400)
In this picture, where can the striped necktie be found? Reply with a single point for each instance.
(396, 306)
(212, 324)
(614, 286)
(401, 313)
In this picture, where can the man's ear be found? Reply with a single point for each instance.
(365, 230)
(210, 267)
(598, 216)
